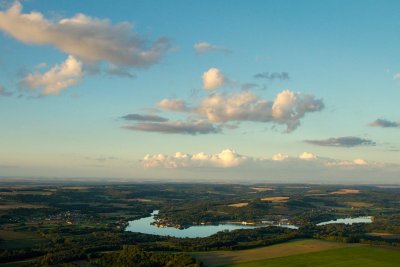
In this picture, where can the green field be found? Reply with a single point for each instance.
(17, 240)
(350, 256)
(218, 258)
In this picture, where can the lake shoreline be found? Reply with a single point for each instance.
(149, 225)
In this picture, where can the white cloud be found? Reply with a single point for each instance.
(306, 167)
(90, 39)
(161, 160)
(225, 159)
(288, 107)
(228, 158)
(283, 105)
(173, 104)
(235, 107)
(213, 78)
(307, 156)
(279, 157)
(396, 76)
(56, 79)
(204, 47)
(360, 162)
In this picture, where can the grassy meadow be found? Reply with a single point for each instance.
(358, 256)
(218, 258)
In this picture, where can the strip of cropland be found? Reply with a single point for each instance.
(218, 258)
(356, 256)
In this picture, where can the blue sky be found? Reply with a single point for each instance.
(241, 89)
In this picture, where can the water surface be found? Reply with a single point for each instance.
(349, 221)
(145, 226)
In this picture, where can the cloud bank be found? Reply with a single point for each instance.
(347, 163)
(225, 159)
(228, 158)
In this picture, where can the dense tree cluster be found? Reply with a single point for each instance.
(135, 256)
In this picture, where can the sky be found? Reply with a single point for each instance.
(243, 91)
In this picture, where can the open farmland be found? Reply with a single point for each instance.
(219, 258)
(350, 256)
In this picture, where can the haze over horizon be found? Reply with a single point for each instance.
(260, 91)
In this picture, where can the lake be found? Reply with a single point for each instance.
(144, 226)
(350, 221)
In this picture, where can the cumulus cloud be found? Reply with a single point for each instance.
(204, 47)
(307, 156)
(225, 159)
(176, 127)
(213, 78)
(384, 124)
(279, 157)
(4, 92)
(360, 162)
(287, 108)
(228, 158)
(90, 39)
(139, 117)
(273, 76)
(234, 166)
(348, 141)
(173, 105)
(283, 104)
(56, 79)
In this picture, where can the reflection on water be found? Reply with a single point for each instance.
(144, 226)
(366, 219)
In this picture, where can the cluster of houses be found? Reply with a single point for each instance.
(68, 216)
